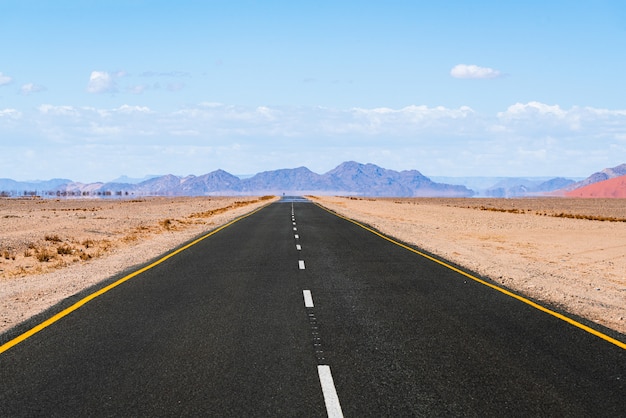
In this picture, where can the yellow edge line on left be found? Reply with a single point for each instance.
(4, 347)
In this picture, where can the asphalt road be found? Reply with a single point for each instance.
(293, 311)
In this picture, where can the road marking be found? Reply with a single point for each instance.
(562, 317)
(295, 229)
(297, 236)
(333, 408)
(308, 299)
(298, 247)
(301, 264)
(4, 347)
(294, 223)
(317, 338)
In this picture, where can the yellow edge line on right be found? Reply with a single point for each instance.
(499, 289)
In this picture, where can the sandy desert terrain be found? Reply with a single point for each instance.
(567, 252)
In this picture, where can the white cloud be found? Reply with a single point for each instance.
(10, 114)
(579, 121)
(519, 110)
(133, 109)
(103, 82)
(48, 109)
(407, 120)
(529, 136)
(474, 72)
(30, 88)
(5, 79)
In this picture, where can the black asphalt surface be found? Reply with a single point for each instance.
(221, 329)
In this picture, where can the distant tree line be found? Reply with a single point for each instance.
(62, 193)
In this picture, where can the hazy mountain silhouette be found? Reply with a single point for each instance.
(348, 178)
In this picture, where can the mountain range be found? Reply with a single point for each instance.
(349, 178)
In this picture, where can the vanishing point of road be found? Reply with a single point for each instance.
(292, 310)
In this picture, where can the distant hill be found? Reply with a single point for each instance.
(607, 173)
(349, 178)
(519, 187)
(614, 187)
(508, 186)
(30, 187)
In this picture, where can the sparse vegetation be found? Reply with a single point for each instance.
(65, 249)
(44, 255)
(556, 215)
(88, 243)
(58, 220)
(53, 238)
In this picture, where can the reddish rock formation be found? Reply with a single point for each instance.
(615, 187)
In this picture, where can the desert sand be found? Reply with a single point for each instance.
(568, 253)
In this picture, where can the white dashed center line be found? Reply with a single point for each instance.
(308, 299)
(333, 408)
(331, 400)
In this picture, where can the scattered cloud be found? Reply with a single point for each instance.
(104, 82)
(30, 88)
(474, 72)
(10, 114)
(434, 140)
(5, 79)
(221, 120)
(48, 109)
(133, 109)
(532, 108)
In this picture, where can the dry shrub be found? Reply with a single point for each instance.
(85, 256)
(130, 238)
(105, 245)
(44, 255)
(88, 243)
(53, 238)
(65, 249)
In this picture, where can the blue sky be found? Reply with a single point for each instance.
(91, 90)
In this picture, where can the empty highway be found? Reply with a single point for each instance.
(294, 311)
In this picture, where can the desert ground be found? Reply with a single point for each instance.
(566, 252)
